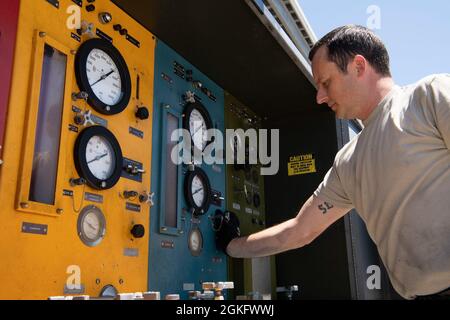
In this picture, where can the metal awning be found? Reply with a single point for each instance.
(229, 43)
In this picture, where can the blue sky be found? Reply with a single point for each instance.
(416, 33)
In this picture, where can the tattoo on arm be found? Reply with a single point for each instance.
(325, 207)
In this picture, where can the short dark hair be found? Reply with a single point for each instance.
(345, 42)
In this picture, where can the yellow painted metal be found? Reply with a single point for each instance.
(38, 266)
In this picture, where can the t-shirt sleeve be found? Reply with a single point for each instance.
(440, 95)
(332, 191)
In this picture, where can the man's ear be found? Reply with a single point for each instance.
(360, 64)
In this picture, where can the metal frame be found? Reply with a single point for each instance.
(162, 227)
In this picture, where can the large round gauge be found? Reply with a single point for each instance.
(197, 121)
(91, 226)
(102, 73)
(195, 242)
(98, 157)
(197, 191)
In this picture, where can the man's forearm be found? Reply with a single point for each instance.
(267, 242)
(314, 217)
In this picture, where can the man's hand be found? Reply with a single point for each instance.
(226, 225)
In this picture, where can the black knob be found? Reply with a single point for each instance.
(123, 32)
(138, 231)
(90, 8)
(142, 113)
(117, 27)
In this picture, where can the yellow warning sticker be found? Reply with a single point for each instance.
(302, 164)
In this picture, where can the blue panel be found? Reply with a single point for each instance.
(171, 264)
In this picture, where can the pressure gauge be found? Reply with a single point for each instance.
(197, 191)
(195, 242)
(91, 226)
(197, 121)
(102, 73)
(98, 157)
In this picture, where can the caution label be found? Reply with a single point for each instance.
(302, 164)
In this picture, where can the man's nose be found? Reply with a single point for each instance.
(322, 96)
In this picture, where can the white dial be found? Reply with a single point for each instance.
(198, 129)
(91, 226)
(100, 157)
(104, 77)
(198, 191)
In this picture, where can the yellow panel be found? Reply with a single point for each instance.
(37, 266)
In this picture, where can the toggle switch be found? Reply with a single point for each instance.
(105, 17)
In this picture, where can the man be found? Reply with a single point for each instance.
(396, 172)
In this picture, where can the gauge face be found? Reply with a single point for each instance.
(197, 121)
(198, 129)
(104, 77)
(91, 226)
(197, 191)
(98, 157)
(102, 73)
(195, 242)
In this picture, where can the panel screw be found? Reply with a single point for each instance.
(42, 34)
(59, 211)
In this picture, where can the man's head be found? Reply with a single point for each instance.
(347, 65)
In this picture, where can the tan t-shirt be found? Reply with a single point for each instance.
(396, 174)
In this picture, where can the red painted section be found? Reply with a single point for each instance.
(9, 13)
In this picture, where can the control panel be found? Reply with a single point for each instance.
(253, 278)
(77, 159)
(188, 189)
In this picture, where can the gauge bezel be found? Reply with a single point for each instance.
(83, 82)
(102, 220)
(195, 252)
(80, 160)
(187, 116)
(197, 210)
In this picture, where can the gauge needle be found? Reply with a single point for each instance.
(195, 132)
(103, 77)
(197, 191)
(92, 227)
(98, 158)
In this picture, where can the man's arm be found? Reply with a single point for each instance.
(314, 217)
